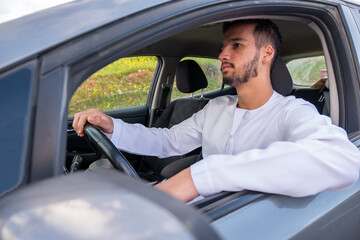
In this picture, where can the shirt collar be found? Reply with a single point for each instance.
(274, 97)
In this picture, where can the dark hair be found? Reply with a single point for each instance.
(266, 32)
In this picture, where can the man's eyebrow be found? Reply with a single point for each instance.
(238, 39)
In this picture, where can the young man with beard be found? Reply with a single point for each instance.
(257, 140)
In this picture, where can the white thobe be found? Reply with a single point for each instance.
(283, 147)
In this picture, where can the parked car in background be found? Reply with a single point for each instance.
(121, 57)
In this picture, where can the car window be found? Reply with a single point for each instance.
(123, 83)
(15, 102)
(307, 71)
(211, 68)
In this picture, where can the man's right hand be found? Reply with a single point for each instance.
(95, 117)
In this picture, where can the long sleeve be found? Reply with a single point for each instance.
(315, 156)
(160, 142)
(181, 138)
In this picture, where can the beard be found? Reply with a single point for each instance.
(236, 80)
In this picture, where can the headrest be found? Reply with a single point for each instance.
(190, 77)
(280, 78)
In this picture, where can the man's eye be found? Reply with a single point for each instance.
(236, 45)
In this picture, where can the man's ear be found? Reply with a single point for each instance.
(269, 54)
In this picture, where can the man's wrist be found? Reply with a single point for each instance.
(180, 186)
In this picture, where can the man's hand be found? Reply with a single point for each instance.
(180, 186)
(95, 117)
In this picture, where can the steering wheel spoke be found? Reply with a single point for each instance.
(102, 144)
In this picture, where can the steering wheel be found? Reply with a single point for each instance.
(100, 142)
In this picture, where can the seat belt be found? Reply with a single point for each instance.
(166, 91)
(326, 110)
(325, 100)
(200, 156)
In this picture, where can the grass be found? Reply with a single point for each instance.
(122, 83)
(306, 71)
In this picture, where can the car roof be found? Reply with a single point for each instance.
(206, 40)
(45, 29)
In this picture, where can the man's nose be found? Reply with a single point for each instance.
(224, 55)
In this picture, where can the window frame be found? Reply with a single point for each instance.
(149, 95)
(296, 84)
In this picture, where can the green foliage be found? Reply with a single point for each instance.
(306, 71)
(126, 83)
(126, 66)
(123, 83)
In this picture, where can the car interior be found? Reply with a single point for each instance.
(178, 68)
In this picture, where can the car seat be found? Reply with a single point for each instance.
(318, 94)
(189, 79)
(280, 77)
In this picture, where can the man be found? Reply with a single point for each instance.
(257, 140)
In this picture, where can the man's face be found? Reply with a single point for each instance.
(239, 55)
